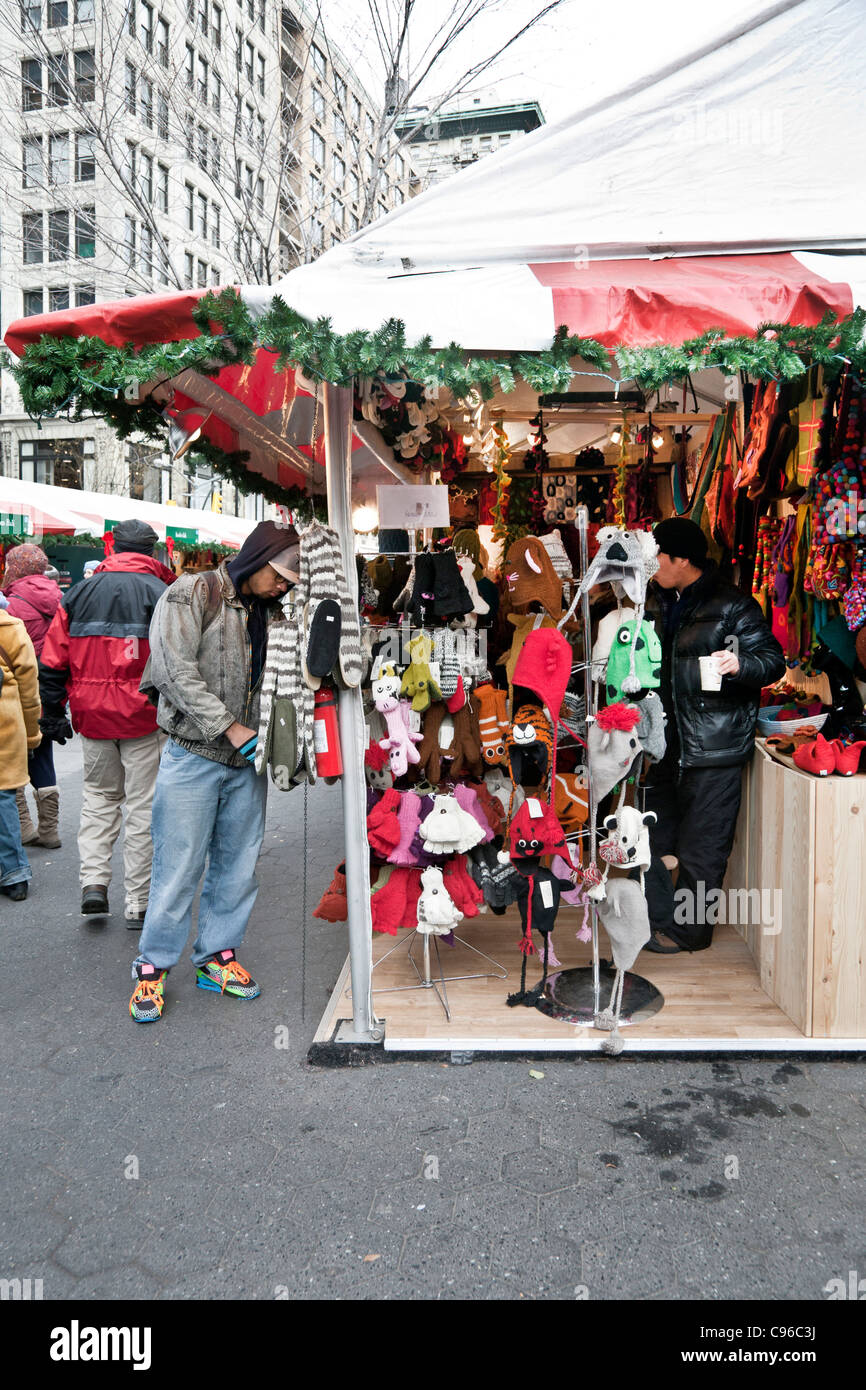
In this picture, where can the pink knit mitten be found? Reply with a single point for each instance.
(467, 797)
(408, 818)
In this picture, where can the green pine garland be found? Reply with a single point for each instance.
(85, 375)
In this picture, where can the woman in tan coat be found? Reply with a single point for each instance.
(19, 732)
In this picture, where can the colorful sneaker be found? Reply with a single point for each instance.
(148, 999)
(225, 975)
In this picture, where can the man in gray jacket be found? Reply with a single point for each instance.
(208, 642)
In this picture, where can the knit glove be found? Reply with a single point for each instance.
(55, 727)
(383, 827)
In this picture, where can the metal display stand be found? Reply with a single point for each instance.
(426, 980)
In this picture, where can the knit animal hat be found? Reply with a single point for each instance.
(611, 747)
(531, 577)
(623, 560)
(469, 543)
(544, 667)
(635, 660)
(529, 745)
(535, 831)
(624, 915)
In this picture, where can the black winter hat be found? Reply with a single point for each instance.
(682, 538)
(134, 535)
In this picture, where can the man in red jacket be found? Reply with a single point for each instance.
(94, 656)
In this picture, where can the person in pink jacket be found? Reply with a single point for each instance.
(34, 598)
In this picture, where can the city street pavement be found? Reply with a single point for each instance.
(199, 1158)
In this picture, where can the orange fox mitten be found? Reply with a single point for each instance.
(492, 722)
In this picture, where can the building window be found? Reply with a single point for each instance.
(250, 130)
(58, 158)
(146, 102)
(352, 185)
(162, 42)
(85, 233)
(316, 191)
(58, 80)
(31, 238)
(339, 127)
(85, 74)
(31, 15)
(189, 137)
(337, 211)
(147, 252)
(216, 88)
(58, 14)
(368, 126)
(341, 92)
(214, 224)
(202, 216)
(146, 29)
(355, 108)
(31, 162)
(129, 241)
(31, 84)
(216, 16)
(320, 64)
(202, 148)
(260, 18)
(399, 196)
(145, 177)
(400, 166)
(83, 11)
(338, 169)
(201, 275)
(190, 66)
(215, 159)
(260, 132)
(261, 72)
(58, 235)
(203, 76)
(203, 16)
(190, 205)
(353, 222)
(130, 81)
(162, 115)
(32, 304)
(260, 195)
(58, 298)
(129, 165)
(317, 147)
(162, 187)
(85, 294)
(249, 60)
(85, 160)
(187, 270)
(317, 234)
(318, 100)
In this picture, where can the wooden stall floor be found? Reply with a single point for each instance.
(713, 1000)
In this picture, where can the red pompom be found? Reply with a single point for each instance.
(618, 716)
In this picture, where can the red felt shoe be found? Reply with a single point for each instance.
(818, 758)
(847, 756)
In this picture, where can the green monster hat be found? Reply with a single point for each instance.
(635, 660)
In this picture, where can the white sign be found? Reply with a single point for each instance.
(413, 507)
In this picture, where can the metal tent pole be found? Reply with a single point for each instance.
(364, 1027)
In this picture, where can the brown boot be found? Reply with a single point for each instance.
(29, 833)
(48, 803)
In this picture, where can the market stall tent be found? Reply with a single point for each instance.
(656, 214)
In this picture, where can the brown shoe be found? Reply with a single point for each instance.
(29, 833)
(94, 900)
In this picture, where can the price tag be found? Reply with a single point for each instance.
(414, 721)
(534, 807)
(546, 893)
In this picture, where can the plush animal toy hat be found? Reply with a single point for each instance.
(611, 747)
(535, 831)
(624, 559)
(532, 578)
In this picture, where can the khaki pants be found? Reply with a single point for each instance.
(118, 770)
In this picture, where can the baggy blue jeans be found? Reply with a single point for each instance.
(202, 810)
(14, 864)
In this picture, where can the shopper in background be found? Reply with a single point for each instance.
(34, 598)
(208, 645)
(695, 789)
(19, 731)
(94, 654)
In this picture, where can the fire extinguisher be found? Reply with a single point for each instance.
(326, 735)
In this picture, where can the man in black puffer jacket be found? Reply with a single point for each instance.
(695, 789)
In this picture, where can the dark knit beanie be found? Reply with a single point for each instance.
(135, 536)
(681, 539)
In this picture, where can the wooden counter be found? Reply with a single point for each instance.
(804, 838)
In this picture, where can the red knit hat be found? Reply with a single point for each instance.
(532, 835)
(544, 667)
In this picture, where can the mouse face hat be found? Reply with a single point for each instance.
(626, 560)
(611, 747)
(531, 577)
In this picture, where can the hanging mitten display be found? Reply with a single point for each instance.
(418, 684)
(401, 739)
(492, 722)
(445, 661)
(431, 750)
(437, 913)
(465, 750)
(383, 827)
(451, 599)
(408, 818)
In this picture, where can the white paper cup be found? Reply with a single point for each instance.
(711, 676)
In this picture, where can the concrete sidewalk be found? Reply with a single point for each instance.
(203, 1158)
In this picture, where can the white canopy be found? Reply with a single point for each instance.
(752, 147)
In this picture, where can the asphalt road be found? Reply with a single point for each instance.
(197, 1158)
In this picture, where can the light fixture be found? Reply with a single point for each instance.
(364, 519)
(184, 428)
(615, 436)
(657, 438)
